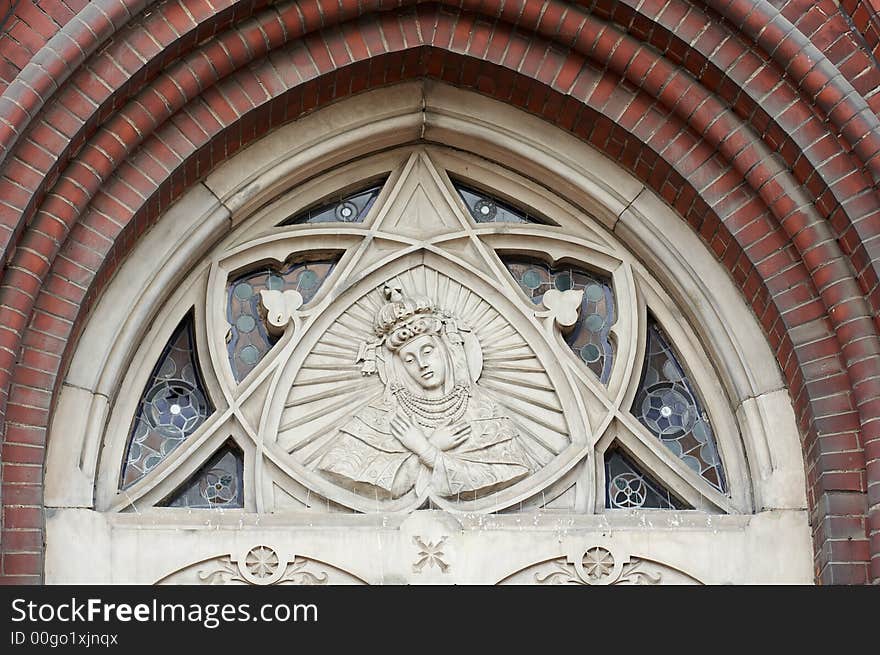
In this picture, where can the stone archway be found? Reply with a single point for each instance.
(784, 202)
(282, 411)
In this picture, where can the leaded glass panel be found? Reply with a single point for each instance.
(667, 405)
(218, 484)
(487, 209)
(349, 209)
(172, 407)
(248, 340)
(589, 339)
(627, 486)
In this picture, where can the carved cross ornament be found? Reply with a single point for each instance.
(429, 347)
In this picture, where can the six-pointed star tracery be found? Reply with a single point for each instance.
(285, 410)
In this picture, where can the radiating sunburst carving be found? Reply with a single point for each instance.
(508, 415)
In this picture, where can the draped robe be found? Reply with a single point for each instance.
(369, 459)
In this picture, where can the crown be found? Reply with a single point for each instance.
(402, 318)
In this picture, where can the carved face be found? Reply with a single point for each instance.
(424, 361)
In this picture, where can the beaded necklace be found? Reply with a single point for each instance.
(431, 412)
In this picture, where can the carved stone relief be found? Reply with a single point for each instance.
(404, 363)
(261, 565)
(432, 413)
(427, 381)
(599, 565)
(432, 354)
(430, 553)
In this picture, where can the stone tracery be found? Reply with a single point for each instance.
(498, 414)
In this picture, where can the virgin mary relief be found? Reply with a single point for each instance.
(432, 429)
(423, 388)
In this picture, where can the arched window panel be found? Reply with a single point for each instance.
(589, 339)
(667, 404)
(219, 484)
(627, 486)
(485, 208)
(350, 208)
(248, 341)
(173, 406)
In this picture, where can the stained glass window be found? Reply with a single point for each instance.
(589, 338)
(172, 407)
(486, 209)
(352, 208)
(248, 340)
(627, 486)
(218, 484)
(667, 405)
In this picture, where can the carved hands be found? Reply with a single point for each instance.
(446, 437)
(405, 430)
(412, 437)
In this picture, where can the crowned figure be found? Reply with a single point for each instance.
(432, 430)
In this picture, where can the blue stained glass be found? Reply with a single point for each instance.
(249, 341)
(589, 338)
(486, 209)
(172, 407)
(627, 486)
(352, 208)
(667, 406)
(218, 484)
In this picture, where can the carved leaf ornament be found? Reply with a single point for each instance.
(563, 306)
(280, 307)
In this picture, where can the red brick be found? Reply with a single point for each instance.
(22, 517)
(26, 473)
(21, 540)
(21, 563)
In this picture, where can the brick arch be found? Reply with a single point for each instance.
(782, 188)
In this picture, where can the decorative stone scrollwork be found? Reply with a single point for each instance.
(262, 565)
(599, 565)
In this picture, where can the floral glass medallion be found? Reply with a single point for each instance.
(172, 407)
(667, 405)
(487, 209)
(248, 340)
(627, 486)
(589, 339)
(218, 484)
(352, 208)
